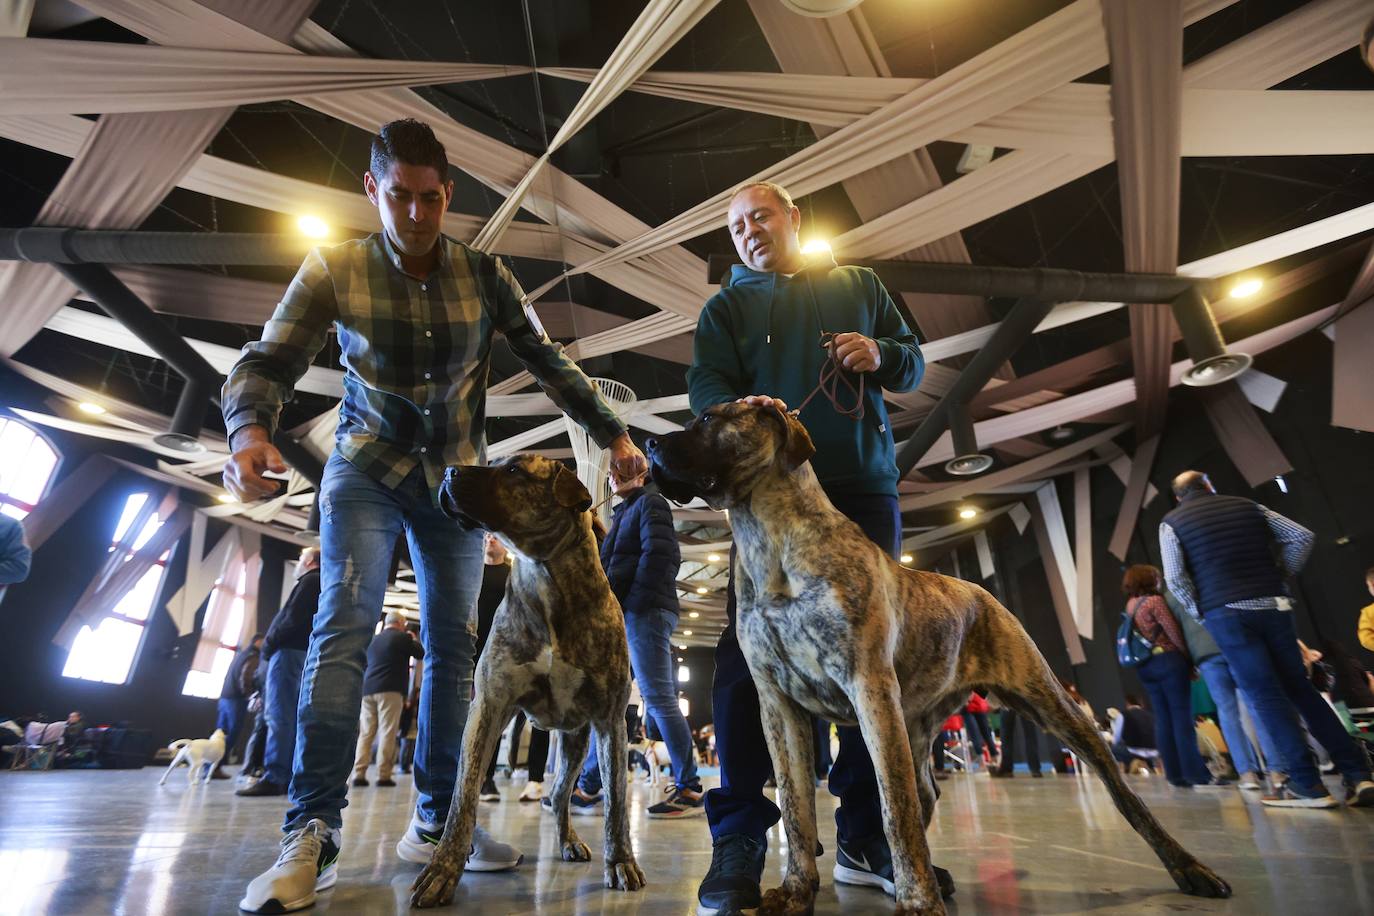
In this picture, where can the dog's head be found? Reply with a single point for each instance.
(723, 454)
(529, 502)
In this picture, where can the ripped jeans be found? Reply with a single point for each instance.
(360, 522)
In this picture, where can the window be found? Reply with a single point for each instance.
(220, 633)
(107, 652)
(27, 463)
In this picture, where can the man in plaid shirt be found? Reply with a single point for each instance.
(415, 314)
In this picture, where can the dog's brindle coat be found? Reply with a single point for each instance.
(557, 650)
(832, 626)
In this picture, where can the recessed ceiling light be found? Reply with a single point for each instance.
(226, 498)
(968, 512)
(686, 632)
(313, 227)
(713, 558)
(815, 246)
(906, 558)
(694, 614)
(90, 408)
(1247, 288)
(701, 589)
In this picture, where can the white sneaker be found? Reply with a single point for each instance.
(519, 773)
(1249, 781)
(308, 863)
(533, 792)
(485, 854)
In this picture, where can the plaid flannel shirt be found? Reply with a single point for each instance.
(416, 354)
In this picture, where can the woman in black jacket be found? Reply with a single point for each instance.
(641, 558)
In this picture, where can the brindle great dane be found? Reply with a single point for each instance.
(832, 626)
(557, 650)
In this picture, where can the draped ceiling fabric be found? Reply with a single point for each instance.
(49, 76)
(1060, 595)
(1141, 463)
(1146, 44)
(659, 26)
(14, 17)
(1352, 395)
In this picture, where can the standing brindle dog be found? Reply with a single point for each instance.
(832, 626)
(557, 650)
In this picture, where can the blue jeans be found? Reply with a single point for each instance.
(739, 805)
(1261, 646)
(1165, 678)
(1222, 686)
(283, 695)
(360, 522)
(651, 658)
(229, 715)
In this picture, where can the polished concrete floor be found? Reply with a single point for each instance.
(102, 842)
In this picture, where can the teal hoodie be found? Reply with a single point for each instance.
(761, 335)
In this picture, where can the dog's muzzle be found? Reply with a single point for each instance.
(458, 490)
(674, 482)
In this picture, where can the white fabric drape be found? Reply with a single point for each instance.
(14, 17)
(1352, 396)
(50, 76)
(202, 570)
(1083, 549)
(122, 569)
(1047, 496)
(1061, 594)
(660, 25)
(986, 567)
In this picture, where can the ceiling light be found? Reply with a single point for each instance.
(713, 558)
(815, 246)
(226, 498)
(968, 465)
(681, 659)
(701, 589)
(1247, 288)
(906, 558)
(680, 646)
(90, 408)
(1216, 369)
(313, 227)
(968, 512)
(694, 614)
(686, 632)
(1060, 434)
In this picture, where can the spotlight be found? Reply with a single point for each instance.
(694, 614)
(686, 632)
(968, 465)
(682, 647)
(94, 410)
(226, 498)
(1214, 370)
(968, 461)
(701, 589)
(968, 512)
(906, 558)
(713, 558)
(815, 246)
(1246, 288)
(313, 227)
(180, 442)
(1060, 434)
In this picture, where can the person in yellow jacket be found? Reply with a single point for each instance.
(1366, 625)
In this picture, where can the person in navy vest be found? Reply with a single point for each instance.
(641, 557)
(1227, 560)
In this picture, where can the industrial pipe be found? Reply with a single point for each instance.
(1212, 363)
(1013, 331)
(121, 304)
(184, 433)
(967, 460)
(1043, 283)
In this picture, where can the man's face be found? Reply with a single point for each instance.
(1369, 584)
(764, 231)
(495, 552)
(625, 484)
(411, 201)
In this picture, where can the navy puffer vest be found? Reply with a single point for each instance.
(1228, 550)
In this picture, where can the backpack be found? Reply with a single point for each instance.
(1131, 647)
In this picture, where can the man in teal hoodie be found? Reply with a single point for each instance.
(771, 329)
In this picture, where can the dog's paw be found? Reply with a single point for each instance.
(436, 884)
(574, 850)
(916, 909)
(792, 899)
(625, 875)
(1200, 881)
(945, 880)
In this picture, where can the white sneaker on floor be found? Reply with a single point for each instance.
(533, 791)
(486, 853)
(519, 773)
(1249, 781)
(308, 863)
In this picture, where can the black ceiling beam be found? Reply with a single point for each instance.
(94, 246)
(1044, 283)
(123, 305)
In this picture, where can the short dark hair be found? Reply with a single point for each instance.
(1141, 580)
(773, 188)
(1133, 700)
(411, 142)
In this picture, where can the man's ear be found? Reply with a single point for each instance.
(569, 492)
(797, 447)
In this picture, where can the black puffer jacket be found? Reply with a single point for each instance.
(640, 553)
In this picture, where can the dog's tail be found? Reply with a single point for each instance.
(178, 744)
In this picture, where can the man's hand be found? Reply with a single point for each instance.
(763, 400)
(856, 352)
(253, 454)
(627, 461)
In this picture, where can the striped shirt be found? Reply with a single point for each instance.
(1295, 543)
(416, 354)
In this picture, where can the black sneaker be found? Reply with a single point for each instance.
(262, 787)
(869, 864)
(732, 883)
(360, 781)
(1360, 794)
(579, 804)
(680, 803)
(489, 792)
(386, 783)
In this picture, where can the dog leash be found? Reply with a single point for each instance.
(832, 375)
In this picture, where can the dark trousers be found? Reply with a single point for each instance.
(537, 757)
(1030, 737)
(1165, 679)
(821, 750)
(979, 733)
(739, 805)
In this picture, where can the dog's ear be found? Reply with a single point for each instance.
(797, 447)
(569, 491)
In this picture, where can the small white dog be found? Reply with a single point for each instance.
(201, 754)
